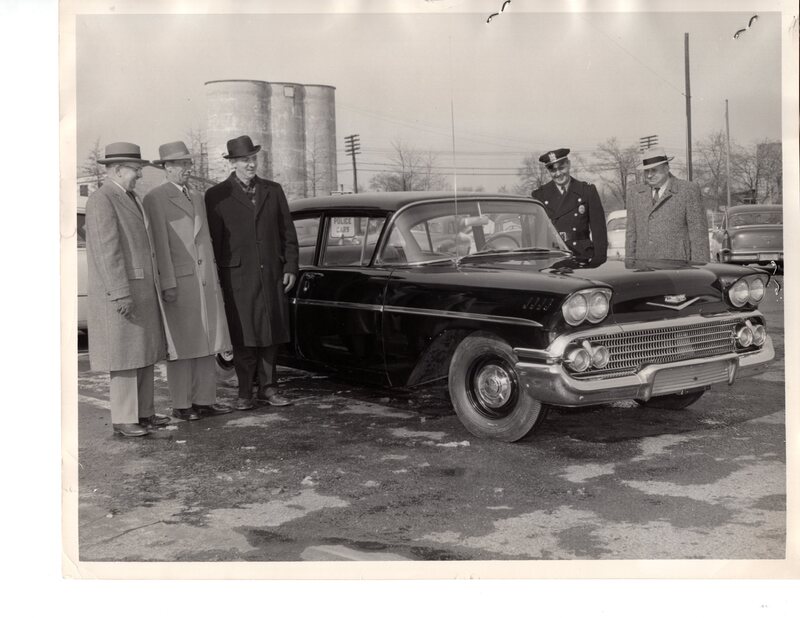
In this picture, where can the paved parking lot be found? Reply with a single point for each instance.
(354, 473)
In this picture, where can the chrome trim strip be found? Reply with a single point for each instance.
(483, 317)
(439, 313)
(675, 307)
(337, 304)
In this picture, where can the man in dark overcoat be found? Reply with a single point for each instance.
(255, 245)
(126, 332)
(574, 208)
(666, 216)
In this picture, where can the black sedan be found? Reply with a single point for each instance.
(402, 289)
(750, 234)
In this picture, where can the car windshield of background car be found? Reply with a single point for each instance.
(617, 225)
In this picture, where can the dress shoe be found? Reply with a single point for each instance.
(272, 398)
(216, 409)
(185, 414)
(154, 421)
(129, 430)
(244, 403)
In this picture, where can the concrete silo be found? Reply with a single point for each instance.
(294, 124)
(237, 107)
(287, 129)
(320, 127)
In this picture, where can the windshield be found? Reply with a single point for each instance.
(617, 225)
(770, 217)
(447, 230)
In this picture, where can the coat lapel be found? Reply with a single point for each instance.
(177, 197)
(198, 213)
(262, 193)
(121, 197)
(238, 193)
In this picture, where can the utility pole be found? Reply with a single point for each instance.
(648, 142)
(688, 109)
(645, 143)
(727, 156)
(353, 147)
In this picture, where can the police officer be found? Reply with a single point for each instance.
(574, 208)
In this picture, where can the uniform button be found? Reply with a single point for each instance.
(546, 202)
(574, 229)
(574, 242)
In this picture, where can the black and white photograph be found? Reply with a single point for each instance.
(427, 289)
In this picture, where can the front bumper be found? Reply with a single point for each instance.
(550, 383)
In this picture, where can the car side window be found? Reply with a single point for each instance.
(350, 241)
(307, 231)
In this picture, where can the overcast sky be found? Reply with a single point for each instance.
(525, 83)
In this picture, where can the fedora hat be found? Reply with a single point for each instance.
(654, 157)
(174, 151)
(241, 146)
(554, 156)
(122, 152)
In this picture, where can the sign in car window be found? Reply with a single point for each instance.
(342, 227)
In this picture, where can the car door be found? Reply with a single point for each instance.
(339, 298)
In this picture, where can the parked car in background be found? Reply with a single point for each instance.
(750, 234)
(510, 320)
(615, 224)
(81, 264)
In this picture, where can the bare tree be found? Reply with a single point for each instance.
(709, 167)
(532, 175)
(411, 170)
(198, 146)
(91, 168)
(615, 165)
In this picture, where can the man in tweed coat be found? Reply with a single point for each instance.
(126, 335)
(193, 307)
(666, 217)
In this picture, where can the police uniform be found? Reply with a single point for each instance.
(577, 215)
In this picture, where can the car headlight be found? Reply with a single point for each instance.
(575, 309)
(597, 305)
(592, 305)
(748, 290)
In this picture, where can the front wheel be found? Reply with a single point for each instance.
(486, 391)
(678, 401)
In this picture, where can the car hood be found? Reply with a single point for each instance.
(642, 289)
(757, 237)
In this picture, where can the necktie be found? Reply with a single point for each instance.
(186, 192)
(655, 195)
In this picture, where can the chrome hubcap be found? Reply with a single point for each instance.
(493, 386)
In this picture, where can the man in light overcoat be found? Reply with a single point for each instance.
(192, 299)
(666, 218)
(126, 335)
(255, 245)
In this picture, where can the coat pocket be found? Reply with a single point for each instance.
(182, 270)
(136, 273)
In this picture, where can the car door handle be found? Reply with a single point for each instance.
(314, 275)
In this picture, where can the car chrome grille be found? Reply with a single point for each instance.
(632, 350)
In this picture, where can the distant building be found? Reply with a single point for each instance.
(294, 124)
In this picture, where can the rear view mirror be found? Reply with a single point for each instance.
(475, 221)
